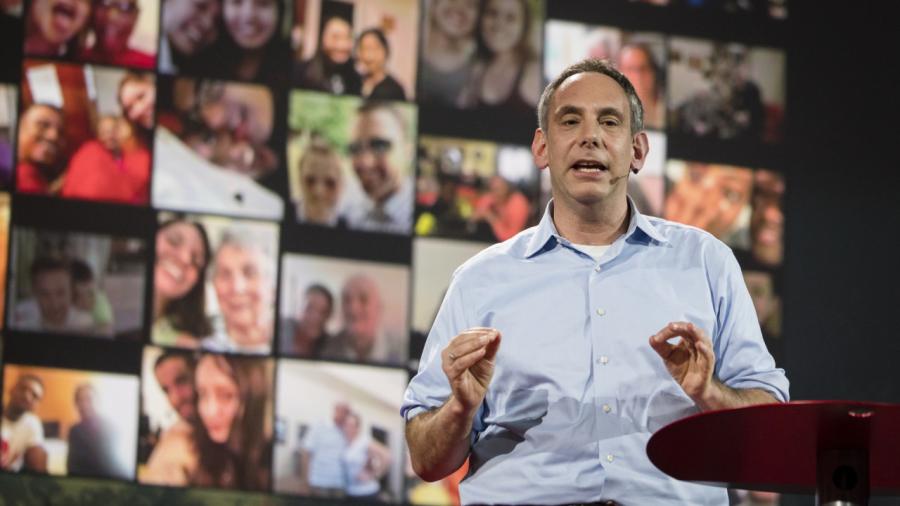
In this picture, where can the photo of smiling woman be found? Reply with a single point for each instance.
(252, 45)
(179, 275)
(52, 27)
(372, 51)
(506, 73)
(229, 444)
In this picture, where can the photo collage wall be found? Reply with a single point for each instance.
(226, 226)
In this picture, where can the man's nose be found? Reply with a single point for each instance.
(52, 134)
(590, 134)
(364, 160)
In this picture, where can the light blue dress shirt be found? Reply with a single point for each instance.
(577, 390)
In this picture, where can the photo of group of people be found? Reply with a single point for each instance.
(351, 162)
(347, 310)
(476, 190)
(356, 47)
(214, 284)
(274, 157)
(346, 440)
(76, 283)
(482, 55)
(109, 32)
(69, 423)
(84, 132)
(206, 420)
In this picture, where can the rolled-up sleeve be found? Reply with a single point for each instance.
(742, 359)
(429, 388)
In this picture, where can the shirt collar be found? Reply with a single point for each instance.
(546, 236)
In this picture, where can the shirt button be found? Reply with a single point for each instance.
(604, 360)
(609, 457)
(601, 311)
(606, 408)
(598, 268)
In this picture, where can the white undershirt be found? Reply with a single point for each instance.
(592, 250)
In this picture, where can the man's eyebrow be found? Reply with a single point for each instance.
(610, 111)
(568, 109)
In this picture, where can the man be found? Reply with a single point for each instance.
(21, 433)
(189, 27)
(92, 449)
(174, 372)
(53, 306)
(562, 411)
(322, 473)
(113, 22)
(40, 146)
(381, 156)
(174, 455)
(363, 338)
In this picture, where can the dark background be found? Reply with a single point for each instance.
(841, 271)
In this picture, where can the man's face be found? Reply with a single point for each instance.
(40, 136)
(361, 307)
(378, 152)
(84, 402)
(59, 20)
(588, 146)
(341, 410)
(113, 23)
(25, 395)
(176, 379)
(53, 291)
(190, 25)
(242, 288)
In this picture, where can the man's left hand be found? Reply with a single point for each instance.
(690, 361)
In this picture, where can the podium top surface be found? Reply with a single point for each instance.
(774, 446)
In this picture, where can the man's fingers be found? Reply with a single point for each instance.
(659, 344)
(466, 342)
(460, 364)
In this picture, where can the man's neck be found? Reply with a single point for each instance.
(598, 224)
(12, 414)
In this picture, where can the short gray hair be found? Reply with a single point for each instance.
(601, 67)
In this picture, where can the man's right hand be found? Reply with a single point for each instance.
(468, 362)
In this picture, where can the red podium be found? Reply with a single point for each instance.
(842, 451)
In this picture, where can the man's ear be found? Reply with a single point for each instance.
(539, 149)
(640, 146)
